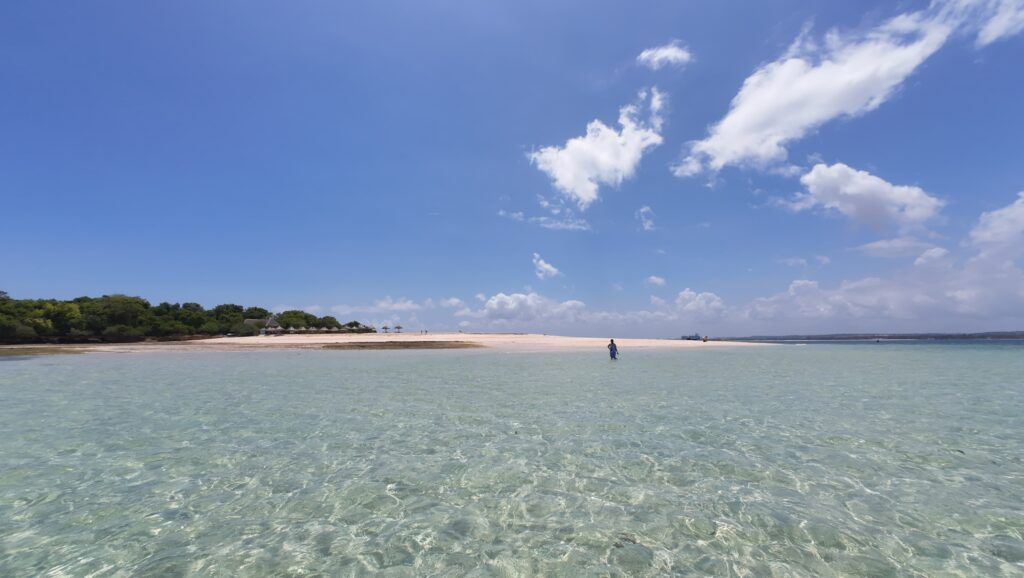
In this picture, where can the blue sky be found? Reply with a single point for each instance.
(573, 167)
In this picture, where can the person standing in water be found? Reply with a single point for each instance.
(613, 350)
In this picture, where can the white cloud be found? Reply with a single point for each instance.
(671, 54)
(452, 302)
(845, 75)
(543, 269)
(524, 307)
(604, 156)
(865, 198)
(704, 303)
(646, 216)
(984, 292)
(1001, 232)
(891, 248)
(978, 296)
(802, 300)
(532, 309)
(933, 295)
(822, 259)
(401, 304)
(1006, 18)
(656, 281)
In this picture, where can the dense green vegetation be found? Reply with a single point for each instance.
(125, 318)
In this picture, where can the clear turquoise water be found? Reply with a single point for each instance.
(818, 460)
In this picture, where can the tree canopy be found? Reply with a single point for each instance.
(127, 318)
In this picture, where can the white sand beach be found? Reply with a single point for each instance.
(502, 341)
(516, 341)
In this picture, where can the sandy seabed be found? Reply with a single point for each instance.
(502, 341)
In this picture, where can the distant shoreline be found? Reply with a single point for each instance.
(988, 335)
(370, 341)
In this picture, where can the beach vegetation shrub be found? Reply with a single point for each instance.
(63, 316)
(169, 327)
(210, 328)
(8, 326)
(193, 315)
(244, 330)
(121, 333)
(80, 335)
(23, 332)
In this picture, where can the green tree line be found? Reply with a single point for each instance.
(126, 318)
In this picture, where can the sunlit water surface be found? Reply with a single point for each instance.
(817, 460)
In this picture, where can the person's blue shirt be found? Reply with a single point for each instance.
(613, 350)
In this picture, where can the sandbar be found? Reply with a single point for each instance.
(391, 341)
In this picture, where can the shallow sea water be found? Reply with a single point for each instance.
(817, 460)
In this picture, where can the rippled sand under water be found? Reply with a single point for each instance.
(829, 460)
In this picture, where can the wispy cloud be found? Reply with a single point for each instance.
(1005, 18)
(793, 261)
(646, 216)
(543, 269)
(385, 305)
(1001, 232)
(811, 84)
(892, 248)
(512, 215)
(671, 54)
(564, 223)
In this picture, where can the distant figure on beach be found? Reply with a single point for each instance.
(705, 339)
(613, 350)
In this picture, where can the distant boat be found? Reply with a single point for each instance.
(694, 337)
